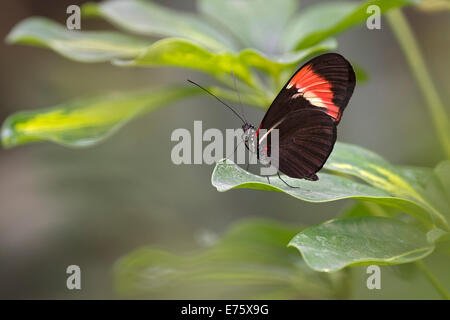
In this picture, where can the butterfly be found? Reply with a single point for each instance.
(306, 113)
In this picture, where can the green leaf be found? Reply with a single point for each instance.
(339, 243)
(148, 18)
(250, 262)
(84, 46)
(318, 22)
(369, 167)
(275, 64)
(257, 23)
(373, 169)
(88, 46)
(183, 53)
(227, 175)
(86, 121)
(387, 185)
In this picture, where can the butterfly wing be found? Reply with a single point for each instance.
(306, 139)
(325, 82)
(306, 113)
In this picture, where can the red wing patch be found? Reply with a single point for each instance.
(325, 82)
(315, 89)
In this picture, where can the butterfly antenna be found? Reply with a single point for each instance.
(234, 111)
(239, 96)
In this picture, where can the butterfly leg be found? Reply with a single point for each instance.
(268, 180)
(278, 173)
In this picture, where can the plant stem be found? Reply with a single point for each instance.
(433, 280)
(411, 49)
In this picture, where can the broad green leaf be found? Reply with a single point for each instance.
(250, 262)
(227, 176)
(85, 46)
(373, 169)
(257, 23)
(87, 121)
(342, 242)
(318, 22)
(369, 167)
(148, 18)
(88, 46)
(183, 53)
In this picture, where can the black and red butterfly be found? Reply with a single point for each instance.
(306, 113)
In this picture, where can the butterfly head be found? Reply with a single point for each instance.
(249, 136)
(246, 127)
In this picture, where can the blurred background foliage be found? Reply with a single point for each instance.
(91, 206)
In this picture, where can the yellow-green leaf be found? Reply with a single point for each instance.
(84, 46)
(329, 187)
(373, 169)
(186, 54)
(87, 121)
